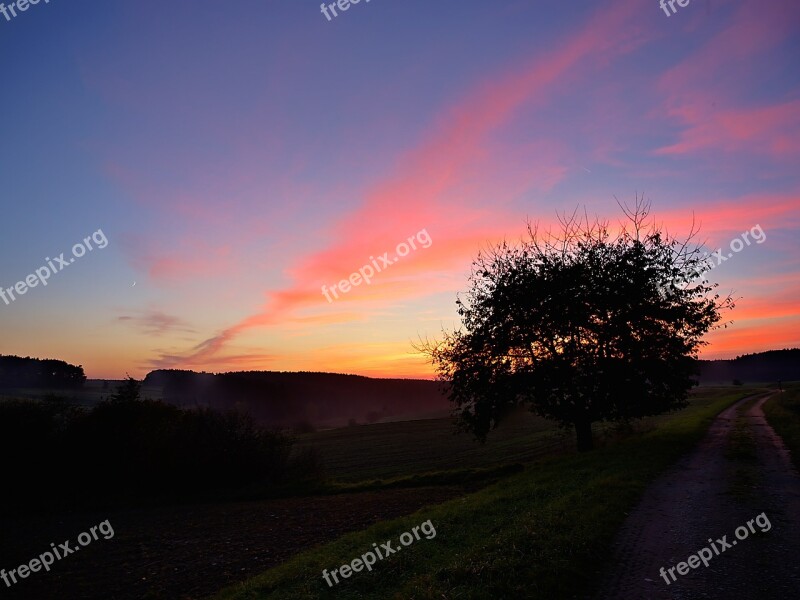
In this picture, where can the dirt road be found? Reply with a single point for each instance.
(740, 470)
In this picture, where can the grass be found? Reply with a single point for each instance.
(741, 452)
(539, 534)
(783, 413)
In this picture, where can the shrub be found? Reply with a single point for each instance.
(128, 449)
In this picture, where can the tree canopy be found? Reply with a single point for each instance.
(580, 326)
(27, 372)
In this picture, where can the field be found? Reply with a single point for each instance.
(542, 533)
(391, 450)
(92, 392)
(387, 450)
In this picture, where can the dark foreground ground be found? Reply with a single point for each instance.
(504, 542)
(192, 551)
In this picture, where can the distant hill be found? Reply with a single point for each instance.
(327, 399)
(302, 399)
(764, 367)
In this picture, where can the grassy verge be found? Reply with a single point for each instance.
(741, 453)
(783, 413)
(539, 534)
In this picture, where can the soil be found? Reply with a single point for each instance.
(190, 552)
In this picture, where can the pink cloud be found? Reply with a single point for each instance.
(193, 258)
(720, 217)
(705, 92)
(773, 129)
(421, 194)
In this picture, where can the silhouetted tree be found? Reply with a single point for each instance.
(129, 391)
(580, 326)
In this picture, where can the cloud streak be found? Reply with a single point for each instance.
(155, 322)
(420, 193)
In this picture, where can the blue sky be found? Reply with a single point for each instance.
(238, 156)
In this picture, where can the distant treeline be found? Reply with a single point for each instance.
(314, 399)
(764, 367)
(294, 399)
(306, 400)
(27, 372)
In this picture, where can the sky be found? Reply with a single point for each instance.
(237, 157)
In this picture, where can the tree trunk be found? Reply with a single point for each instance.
(583, 431)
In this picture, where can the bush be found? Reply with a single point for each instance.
(125, 449)
(30, 437)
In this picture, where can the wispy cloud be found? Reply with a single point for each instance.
(712, 94)
(155, 322)
(420, 194)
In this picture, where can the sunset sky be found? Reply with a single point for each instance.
(239, 156)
